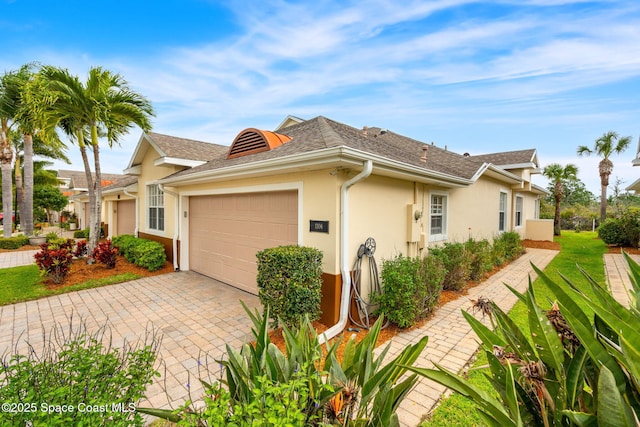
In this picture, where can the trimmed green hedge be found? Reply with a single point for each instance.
(289, 283)
(142, 252)
(14, 242)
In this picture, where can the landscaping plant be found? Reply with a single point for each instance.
(141, 252)
(54, 262)
(410, 288)
(105, 253)
(457, 264)
(289, 283)
(77, 378)
(259, 379)
(573, 368)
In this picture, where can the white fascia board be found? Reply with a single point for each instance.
(133, 170)
(176, 161)
(325, 157)
(497, 173)
(539, 189)
(636, 161)
(518, 166)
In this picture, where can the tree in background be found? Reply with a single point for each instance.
(559, 175)
(608, 144)
(49, 198)
(9, 90)
(104, 106)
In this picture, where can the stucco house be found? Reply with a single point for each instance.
(323, 184)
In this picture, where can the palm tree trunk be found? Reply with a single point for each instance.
(97, 202)
(603, 202)
(26, 217)
(556, 218)
(6, 158)
(93, 240)
(19, 193)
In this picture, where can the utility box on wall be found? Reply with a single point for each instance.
(414, 214)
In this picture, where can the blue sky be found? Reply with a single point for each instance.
(477, 77)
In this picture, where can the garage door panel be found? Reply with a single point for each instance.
(226, 231)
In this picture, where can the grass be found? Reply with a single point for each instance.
(583, 249)
(24, 283)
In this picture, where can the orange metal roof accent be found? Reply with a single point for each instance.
(252, 140)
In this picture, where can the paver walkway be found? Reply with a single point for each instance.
(198, 315)
(616, 271)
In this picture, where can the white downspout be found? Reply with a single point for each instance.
(135, 198)
(176, 224)
(344, 251)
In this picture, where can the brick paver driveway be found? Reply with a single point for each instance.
(195, 315)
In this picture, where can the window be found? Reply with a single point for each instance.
(502, 216)
(519, 203)
(438, 217)
(155, 207)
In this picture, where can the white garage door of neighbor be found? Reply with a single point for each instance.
(226, 231)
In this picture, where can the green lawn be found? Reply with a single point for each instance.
(583, 249)
(24, 283)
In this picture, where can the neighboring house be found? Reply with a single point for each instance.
(324, 184)
(635, 186)
(74, 185)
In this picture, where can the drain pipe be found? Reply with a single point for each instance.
(176, 225)
(344, 246)
(135, 198)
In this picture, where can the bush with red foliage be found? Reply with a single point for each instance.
(54, 262)
(106, 253)
(81, 249)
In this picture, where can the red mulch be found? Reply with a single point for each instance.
(81, 272)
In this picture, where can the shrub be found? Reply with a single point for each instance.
(507, 247)
(76, 369)
(456, 263)
(622, 231)
(54, 263)
(14, 242)
(52, 236)
(106, 254)
(125, 244)
(149, 254)
(480, 259)
(289, 282)
(84, 233)
(80, 249)
(410, 288)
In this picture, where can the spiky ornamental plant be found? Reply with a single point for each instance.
(577, 369)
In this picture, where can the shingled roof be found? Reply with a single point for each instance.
(511, 158)
(184, 148)
(320, 134)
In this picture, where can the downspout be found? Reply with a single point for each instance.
(135, 198)
(344, 246)
(176, 224)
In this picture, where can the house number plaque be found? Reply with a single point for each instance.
(318, 226)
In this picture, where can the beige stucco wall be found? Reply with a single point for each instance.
(320, 201)
(151, 173)
(540, 229)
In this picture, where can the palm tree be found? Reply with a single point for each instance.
(558, 176)
(9, 94)
(608, 144)
(104, 106)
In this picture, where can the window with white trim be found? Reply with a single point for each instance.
(155, 208)
(502, 212)
(438, 217)
(519, 207)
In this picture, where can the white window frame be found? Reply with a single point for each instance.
(519, 211)
(443, 212)
(502, 211)
(155, 208)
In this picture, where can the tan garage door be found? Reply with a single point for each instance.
(226, 231)
(126, 220)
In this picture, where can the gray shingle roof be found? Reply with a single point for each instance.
(79, 178)
(321, 133)
(509, 157)
(183, 148)
(123, 181)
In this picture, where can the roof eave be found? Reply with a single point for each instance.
(497, 173)
(343, 156)
(176, 161)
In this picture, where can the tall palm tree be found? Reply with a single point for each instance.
(608, 144)
(103, 106)
(558, 175)
(9, 99)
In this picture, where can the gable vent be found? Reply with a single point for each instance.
(251, 141)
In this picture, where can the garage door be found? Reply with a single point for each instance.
(226, 231)
(126, 219)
